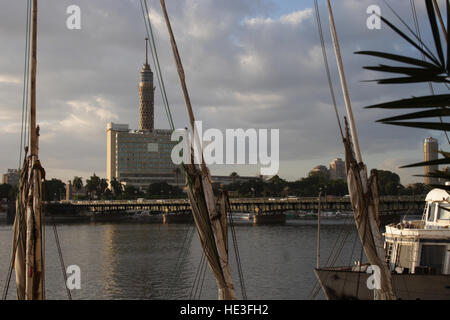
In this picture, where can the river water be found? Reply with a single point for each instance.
(137, 260)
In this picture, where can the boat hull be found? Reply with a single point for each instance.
(345, 284)
(178, 218)
(269, 218)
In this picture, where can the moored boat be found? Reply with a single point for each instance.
(417, 253)
(269, 218)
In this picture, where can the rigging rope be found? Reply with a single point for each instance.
(155, 58)
(24, 139)
(236, 253)
(61, 259)
(316, 289)
(195, 283)
(327, 68)
(334, 255)
(26, 82)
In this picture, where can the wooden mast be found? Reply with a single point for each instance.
(363, 196)
(33, 132)
(223, 275)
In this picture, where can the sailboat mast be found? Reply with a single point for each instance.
(348, 105)
(33, 132)
(197, 142)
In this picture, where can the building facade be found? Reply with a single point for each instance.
(227, 180)
(337, 170)
(11, 177)
(430, 152)
(141, 157)
(322, 170)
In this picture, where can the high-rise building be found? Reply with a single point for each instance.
(321, 170)
(11, 177)
(337, 170)
(146, 96)
(141, 157)
(430, 152)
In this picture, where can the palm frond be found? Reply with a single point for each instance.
(428, 163)
(434, 68)
(440, 126)
(403, 59)
(435, 31)
(442, 100)
(414, 79)
(436, 174)
(441, 112)
(430, 55)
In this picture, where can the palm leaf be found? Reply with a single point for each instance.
(435, 30)
(409, 28)
(415, 79)
(428, 163)
(418, 115)
(403, 59)
(433, 175)
(404, 70)
(442, 100)
(444, 126)
(408, 39)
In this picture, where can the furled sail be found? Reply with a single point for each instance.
(363, 192)
(28, 251)
(211, 225)
(365, 208)
(28, 246)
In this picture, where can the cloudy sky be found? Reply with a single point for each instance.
(249, 64)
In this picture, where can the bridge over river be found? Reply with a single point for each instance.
(388, 204)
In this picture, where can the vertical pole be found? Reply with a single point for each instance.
(146, 51)
(182, 77)
(33, 133)
(318, 229)
(348, 106)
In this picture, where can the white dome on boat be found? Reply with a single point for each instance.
(437, 195)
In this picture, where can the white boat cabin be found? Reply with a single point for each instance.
(422, 246)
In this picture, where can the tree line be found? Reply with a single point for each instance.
(310, 186)
(98, 188)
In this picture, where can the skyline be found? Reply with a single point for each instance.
(255, 66)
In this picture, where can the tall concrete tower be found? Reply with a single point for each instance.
(430, 152)
(146, 96)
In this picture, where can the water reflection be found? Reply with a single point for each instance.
(138, 260)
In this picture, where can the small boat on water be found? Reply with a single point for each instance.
(269, 218)
(178, 217)
(417, 253)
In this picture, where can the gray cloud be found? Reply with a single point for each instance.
(245, 68)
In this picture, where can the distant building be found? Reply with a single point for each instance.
(337, 170)
(226, 180)
(69, 190)
(141, 157)
(11, 177)
(430, 152)
(322, 170)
